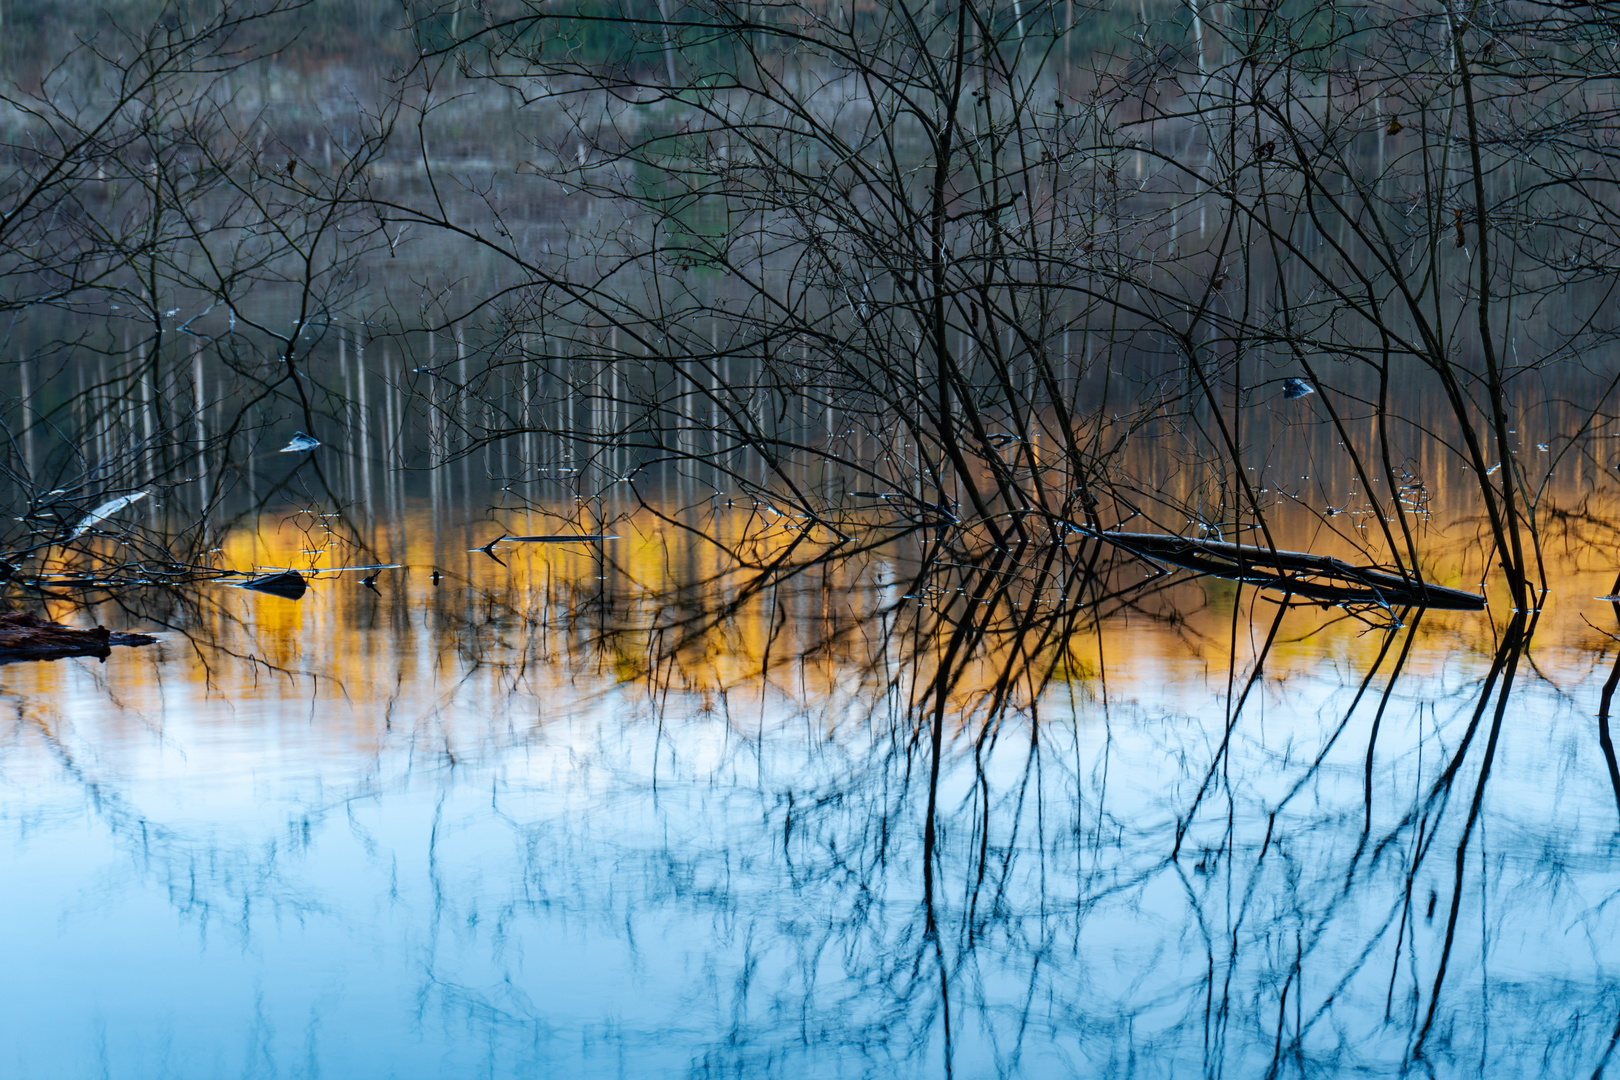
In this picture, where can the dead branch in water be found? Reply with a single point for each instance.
(1315, 577)
(26, 636)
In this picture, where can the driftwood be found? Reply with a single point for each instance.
(289, 584)
(25, 636)
(1313, 577)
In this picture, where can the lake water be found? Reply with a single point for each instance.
(598, 812)
(695, 801)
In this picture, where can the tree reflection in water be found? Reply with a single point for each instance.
(615, 811)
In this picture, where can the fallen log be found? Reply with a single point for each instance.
(1313, 577)
(289, 584)
(26, 636)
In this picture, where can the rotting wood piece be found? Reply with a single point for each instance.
(1313, 577)
(26, 636)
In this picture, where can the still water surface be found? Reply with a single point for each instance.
(504, 826)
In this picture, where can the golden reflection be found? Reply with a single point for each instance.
(662, 609)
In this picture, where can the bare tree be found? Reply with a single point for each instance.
(917, 266)
(1408, 210)
(860, 262)
(166, 270)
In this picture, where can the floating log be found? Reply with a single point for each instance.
(289, 584)
(1313, 577)
(26, 636)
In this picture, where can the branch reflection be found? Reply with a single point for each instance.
(822, 810)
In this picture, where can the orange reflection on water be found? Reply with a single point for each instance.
(663, 610)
